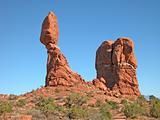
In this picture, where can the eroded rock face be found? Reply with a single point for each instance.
(58, 70)
(116, 64)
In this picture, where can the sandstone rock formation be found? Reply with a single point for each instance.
(116, 67)
(58, 70)
(115, 63)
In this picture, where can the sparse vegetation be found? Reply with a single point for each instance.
(46, 105)
(104, 112)
(155, 107)
(113, 104)
(98, 103)
(5, 107)
(21, 102)
(124, 102)
(75, 99)
(104, 109)
(142, 101)
(132, 110)
(136, 108)
(77, 112)
(74, 103)
(80, 106)
(36, 114)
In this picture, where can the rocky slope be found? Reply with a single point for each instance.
(78, 102)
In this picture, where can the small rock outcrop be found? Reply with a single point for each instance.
(116, 67)
(58, 70)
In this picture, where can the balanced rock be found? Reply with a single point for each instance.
(116, 67)
(58, 70)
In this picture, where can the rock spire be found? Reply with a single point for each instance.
(58, 70)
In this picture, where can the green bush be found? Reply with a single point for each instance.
(5, 107)
(141, 101)
(21, 102)
(46, 105)
(98, 103)
(104, 112)
(60, 109)
(132, 110)
(77, 112)
(155, 107)
(124, 102)
(75, 99)
(74, 103)
(113, 104)
(152, 97)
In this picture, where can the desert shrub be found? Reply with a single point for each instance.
(61, 109)
(152, 97)
(36, 99)
(141, 101)
(77, 112)
(112, 104)
(21, 102)
(75, 99)
(155, 110)
(46, 105)
(93, 114)
(124, 102)
(74, 103)
(5, 107)
(98, 103)
(36, 114)
(12, 97)
(104, 112)
(138, 107)
(132, 110)
(155, 107)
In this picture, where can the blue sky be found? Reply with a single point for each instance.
(84, 25)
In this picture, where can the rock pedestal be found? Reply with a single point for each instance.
(58, 70)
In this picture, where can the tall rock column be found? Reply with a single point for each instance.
(116, 67)
(58, 70)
